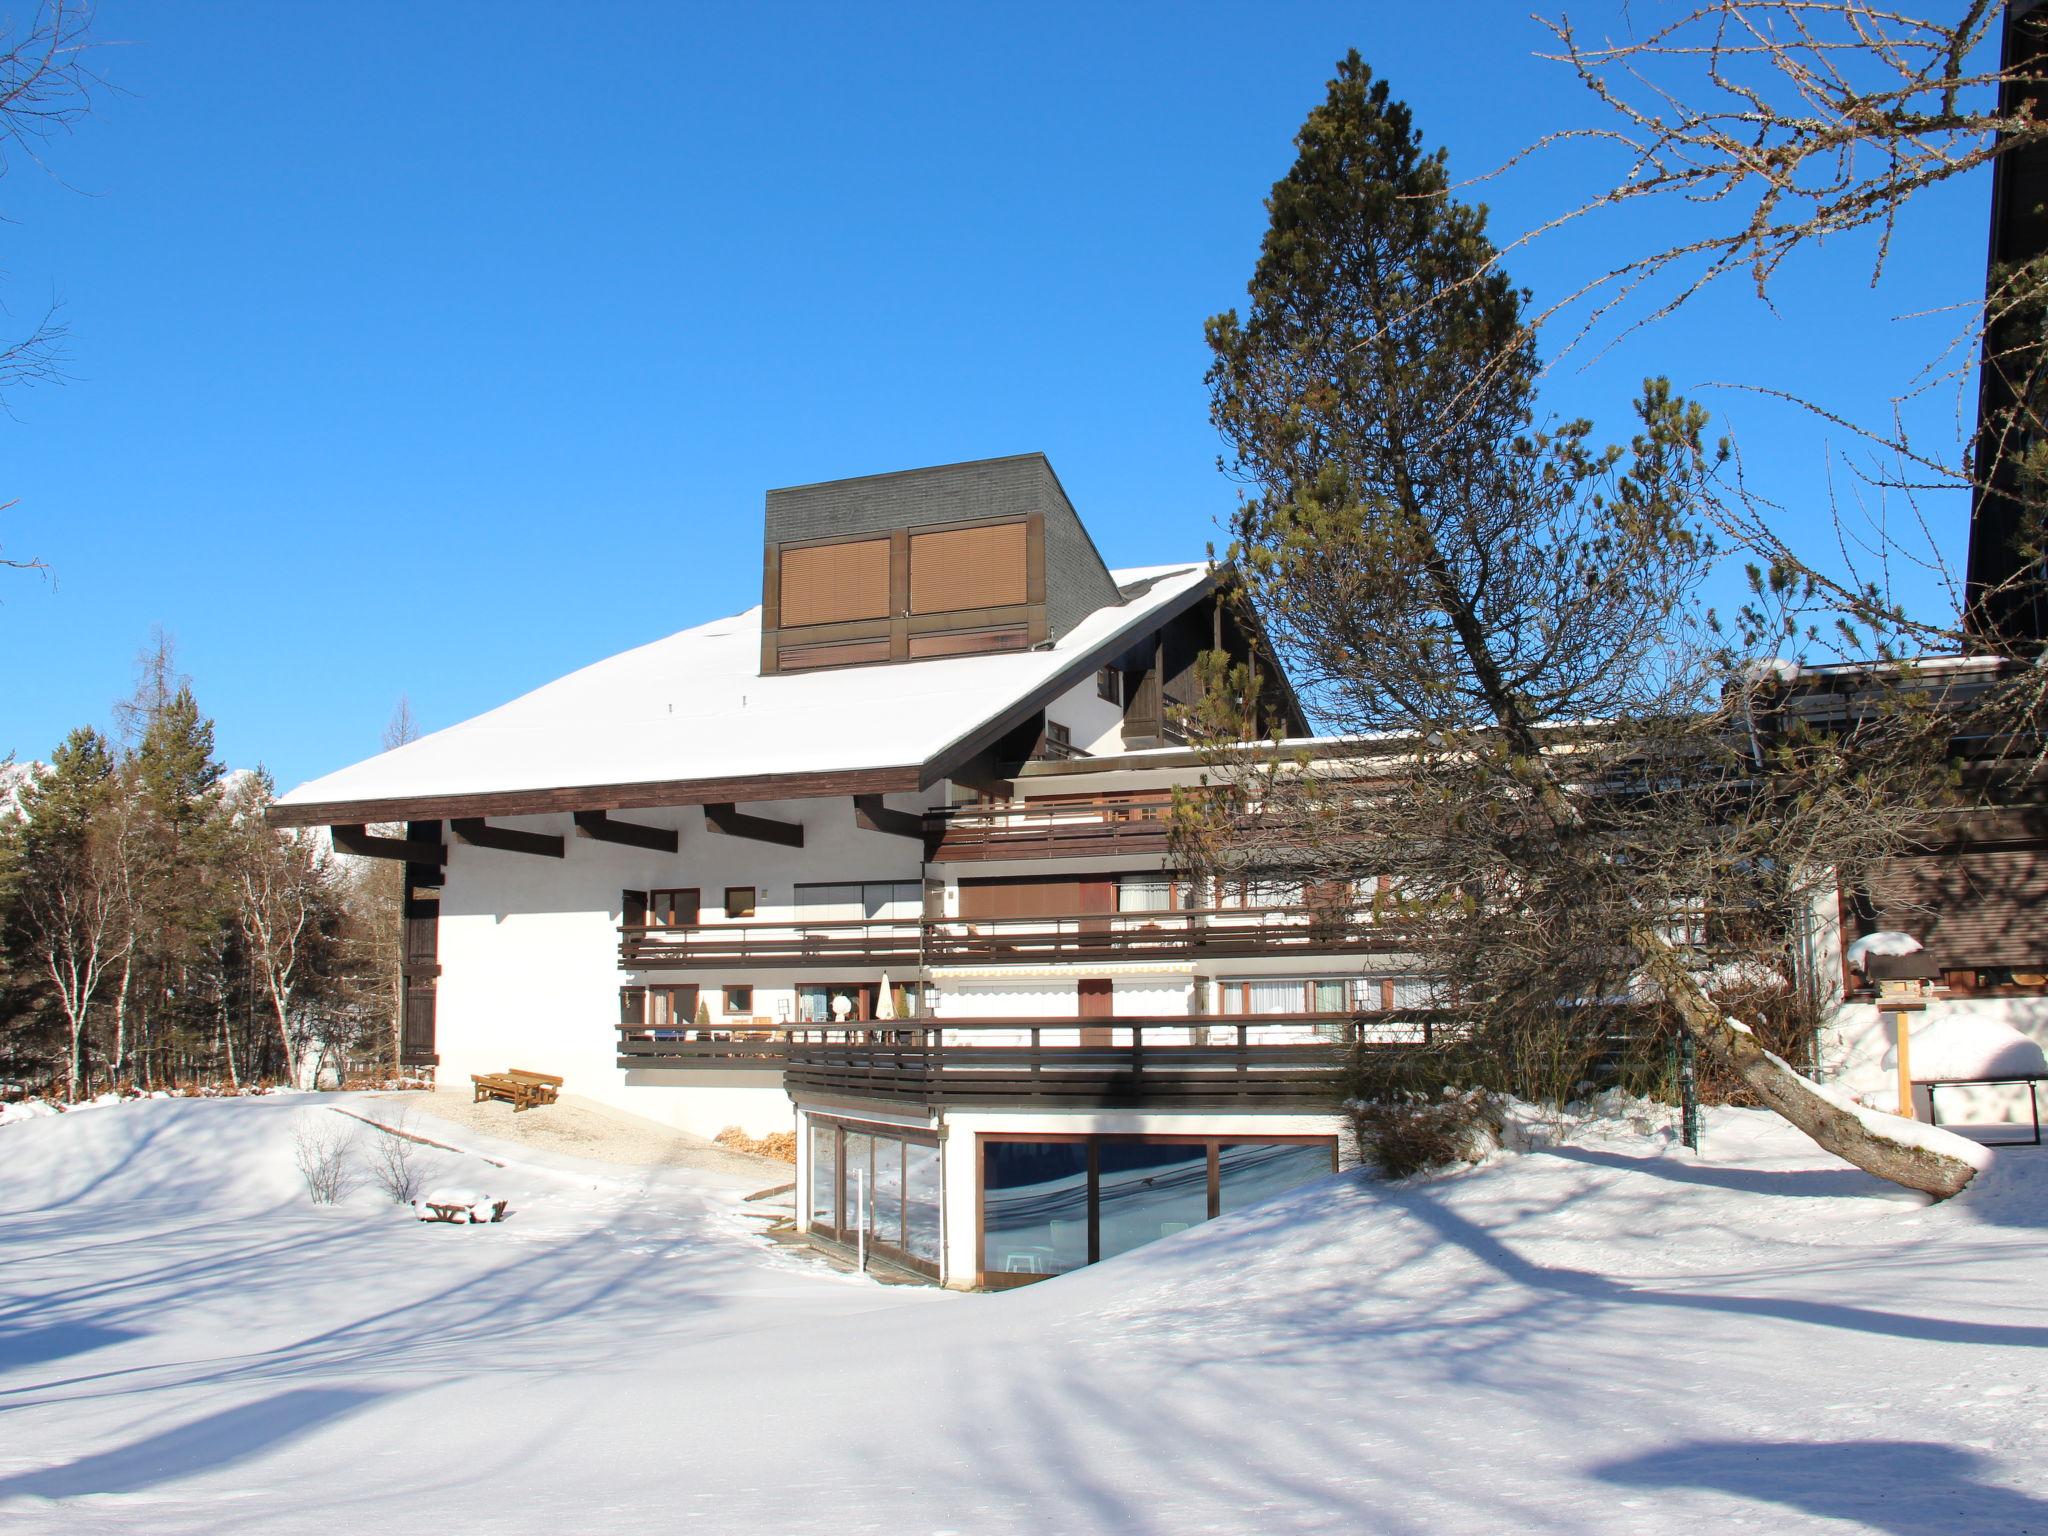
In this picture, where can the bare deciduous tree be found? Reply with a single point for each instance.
(45, 87)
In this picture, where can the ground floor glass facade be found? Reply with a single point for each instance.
(879, 1182)
(1052, 1204)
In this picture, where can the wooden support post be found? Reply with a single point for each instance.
(871, 815)
(479, 833)
(1902, 1028)
(599, 826)
(355, 838)
(733, 822)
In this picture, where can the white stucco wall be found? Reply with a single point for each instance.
(530, 971)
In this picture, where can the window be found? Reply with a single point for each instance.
(739, 1000)
(1049, 1206)
(880, 1181)
(671, 909)
(671, 1008)
(1148, 893)
(867, 900)
(968, 568)
(1109, 684)
(1297, 994)
(1258, 893)
(739, 900)
(832, 583)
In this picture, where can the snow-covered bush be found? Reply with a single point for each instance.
(1414, 1132)
(323, 1148)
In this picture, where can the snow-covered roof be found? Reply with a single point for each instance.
(694, 706)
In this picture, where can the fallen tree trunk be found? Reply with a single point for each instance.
(1899, 1151)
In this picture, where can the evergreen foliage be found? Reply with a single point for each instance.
(1577, 802)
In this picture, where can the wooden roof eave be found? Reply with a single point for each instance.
(598, 797)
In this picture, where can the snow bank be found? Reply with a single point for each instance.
(1965, 1046)
(1490, 1352)
(1856, 1043)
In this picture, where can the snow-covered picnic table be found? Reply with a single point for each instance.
(1961, 1051)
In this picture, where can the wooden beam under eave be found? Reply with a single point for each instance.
(599, 826)
(356, 838)
(479, 833)
(871, 815)
(734, 822)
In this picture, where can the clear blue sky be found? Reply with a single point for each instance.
(439, 350)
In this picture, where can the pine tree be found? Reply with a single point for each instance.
(66, 904)
(1513, 605)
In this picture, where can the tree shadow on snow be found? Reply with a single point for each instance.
(1587, 1284)
(208, 1444)
(1809, 1183)
(1904, 1487)
(56, 1341)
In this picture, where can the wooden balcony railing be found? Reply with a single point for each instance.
(1293, 1060)
(1041, 830)
(1209, 931)
(881, 941)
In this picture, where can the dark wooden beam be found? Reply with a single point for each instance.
(985, 776)
(355, 838)
(479, 833)
(632, 834)
(734, 822)
(871, 815)
(603, 797)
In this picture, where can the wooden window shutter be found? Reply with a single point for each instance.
(831, 583)
(632, 1005)
(634, 905)
(967, 568)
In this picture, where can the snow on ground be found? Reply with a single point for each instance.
(1609, 1336)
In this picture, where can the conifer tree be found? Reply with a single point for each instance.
(66, 903)
(1512, 605)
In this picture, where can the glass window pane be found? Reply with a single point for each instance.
(1149, 1190)
(824, 1175)
(1277, 996)
(857, 1178)
(1249, 1171)
(1144, 893)
(827, 903)
(885, 1211)
(1410, 992)
(1330, 996)
(921, 1201)
(1034, 1207)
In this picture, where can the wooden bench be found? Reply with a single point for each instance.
(520, 1089)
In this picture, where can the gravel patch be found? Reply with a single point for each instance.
(580, 1127)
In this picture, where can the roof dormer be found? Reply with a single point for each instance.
(954, 560)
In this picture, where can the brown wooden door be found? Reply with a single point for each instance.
(1098, 1001)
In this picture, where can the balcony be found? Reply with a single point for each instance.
(1048, 829)
(1265, 1061)
(1221, 932)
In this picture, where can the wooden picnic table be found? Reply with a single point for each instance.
(518, 1087)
